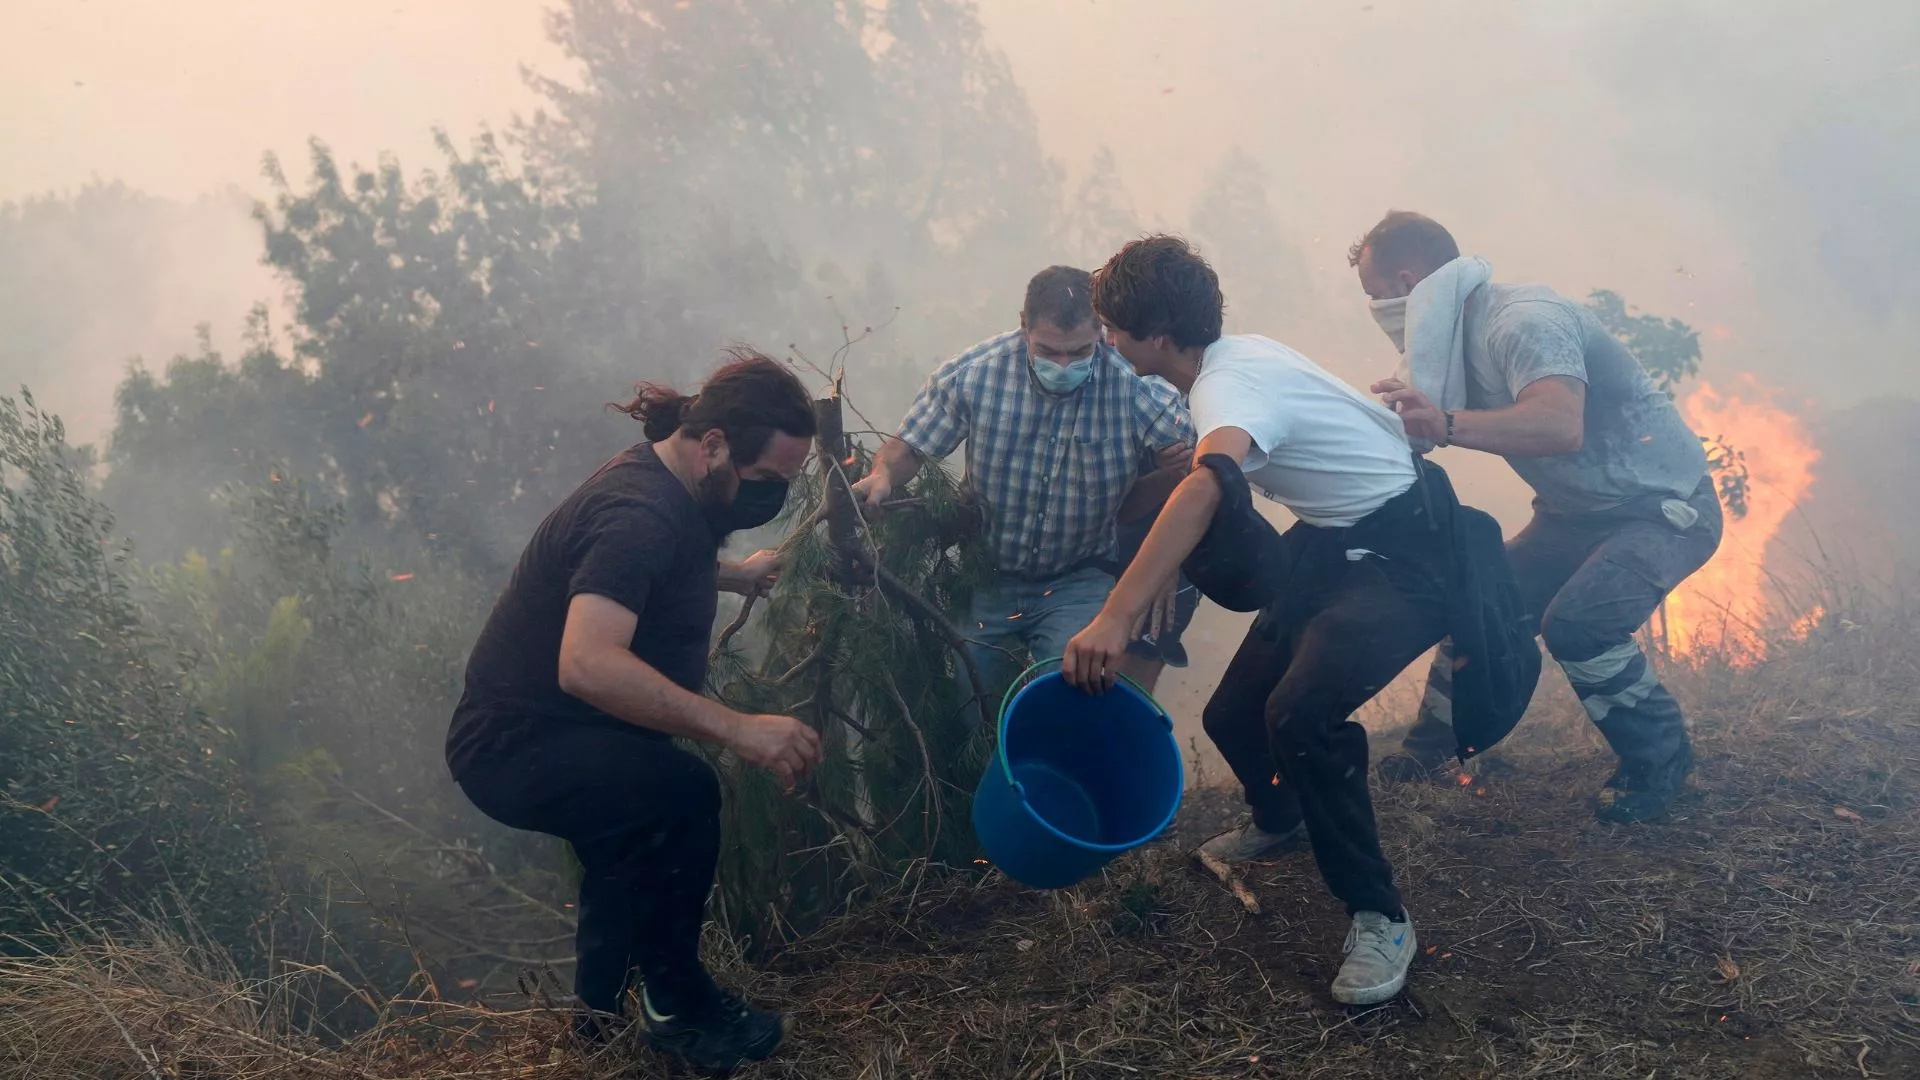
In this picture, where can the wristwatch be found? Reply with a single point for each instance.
(1448, 441)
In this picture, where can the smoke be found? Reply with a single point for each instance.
(107, 275)
(1742, 166)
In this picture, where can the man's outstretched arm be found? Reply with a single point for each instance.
(1093, 656)
(895, 464)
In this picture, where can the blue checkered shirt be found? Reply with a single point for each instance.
(1053, 469)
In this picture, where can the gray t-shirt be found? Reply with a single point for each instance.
(1635, 442)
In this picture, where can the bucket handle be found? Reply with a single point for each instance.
(1020, 682)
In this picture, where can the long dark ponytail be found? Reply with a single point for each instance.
(748, 398)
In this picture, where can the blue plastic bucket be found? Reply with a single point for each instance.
(1076, 779)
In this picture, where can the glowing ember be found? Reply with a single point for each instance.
(1727, 605)
(399, 577)
(1808, 623)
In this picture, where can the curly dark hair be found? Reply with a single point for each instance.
(748, 398)
(1160, 285)
(1404, 240)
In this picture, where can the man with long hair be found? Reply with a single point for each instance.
(593, 661)
(1362, 589)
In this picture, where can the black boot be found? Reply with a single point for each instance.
(1635, 795)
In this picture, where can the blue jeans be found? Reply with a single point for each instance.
(1011, 620)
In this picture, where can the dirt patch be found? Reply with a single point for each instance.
(1771, 929)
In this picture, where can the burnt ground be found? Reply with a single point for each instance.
(1771, 929)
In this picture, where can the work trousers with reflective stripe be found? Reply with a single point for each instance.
(1593, 580)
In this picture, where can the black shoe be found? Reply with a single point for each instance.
(718, 1036)
(1633, 796)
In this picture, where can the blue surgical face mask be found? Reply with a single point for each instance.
(1062, 378)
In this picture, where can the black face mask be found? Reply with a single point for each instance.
(755, 503)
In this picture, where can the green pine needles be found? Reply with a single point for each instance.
(855, 642)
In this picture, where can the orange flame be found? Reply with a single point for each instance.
(1727, 605)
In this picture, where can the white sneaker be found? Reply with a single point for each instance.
(1378, 953)
(1250, 841)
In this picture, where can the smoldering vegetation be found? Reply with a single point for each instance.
(234, 613)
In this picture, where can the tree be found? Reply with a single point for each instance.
(1670, 351)
(1234, 222)
(720, 170)
(115, 791)
(1099, 218)
(769, 154)
(1668, 348)
(437, 377)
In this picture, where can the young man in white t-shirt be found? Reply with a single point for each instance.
(1364, 593)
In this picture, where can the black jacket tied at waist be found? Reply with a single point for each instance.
(1422, 539)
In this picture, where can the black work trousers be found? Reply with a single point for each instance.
(1361, 603)
(643, 817)
(1592, 580)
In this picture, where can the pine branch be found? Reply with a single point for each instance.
(740, 620)
(812, 658)
(929, 781)
(903, 593)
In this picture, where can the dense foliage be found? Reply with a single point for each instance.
(247, 723)
(325, 518)
(114, 788)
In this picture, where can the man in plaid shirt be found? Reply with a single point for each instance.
(1057, 425)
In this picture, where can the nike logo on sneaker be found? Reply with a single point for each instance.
(1401, 940)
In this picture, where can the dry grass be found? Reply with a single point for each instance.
(1771, 930)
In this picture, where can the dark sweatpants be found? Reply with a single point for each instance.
(1592, 581)
(1342, 630)
(643, 817)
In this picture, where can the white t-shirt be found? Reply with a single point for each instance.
(1321, 448)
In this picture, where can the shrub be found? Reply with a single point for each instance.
(114, 789)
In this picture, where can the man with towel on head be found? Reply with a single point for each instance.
(1624, 508)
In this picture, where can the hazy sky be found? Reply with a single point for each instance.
(178, 96)
(1747, 166)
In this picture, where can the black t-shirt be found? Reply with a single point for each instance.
(632, 534)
